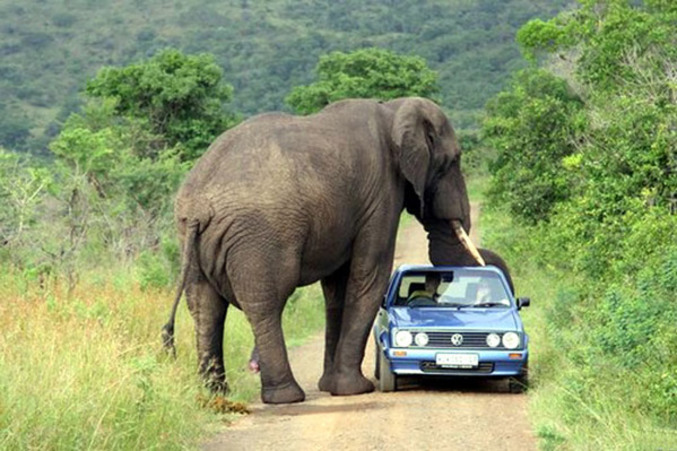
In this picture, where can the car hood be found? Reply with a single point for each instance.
(486, 319)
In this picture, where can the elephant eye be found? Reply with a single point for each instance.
(431, 139)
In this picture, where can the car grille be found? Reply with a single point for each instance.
(431, 367)
(470, 340)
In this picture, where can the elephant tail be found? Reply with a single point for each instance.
(187, 261)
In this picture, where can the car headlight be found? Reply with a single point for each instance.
(403, 338)
(493, 340)
(421, 339)
(511, 340)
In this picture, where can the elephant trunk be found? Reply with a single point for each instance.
(448, 244)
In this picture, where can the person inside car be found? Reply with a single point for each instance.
(427, 296)
(488, 293)
(483, 294)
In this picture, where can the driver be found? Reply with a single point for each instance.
(432, 281)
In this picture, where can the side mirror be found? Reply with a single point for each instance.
(523, 302)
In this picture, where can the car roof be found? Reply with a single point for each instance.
(430, 268)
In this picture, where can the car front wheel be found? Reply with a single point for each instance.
(520, 384)
(387, 380)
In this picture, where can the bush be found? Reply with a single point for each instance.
(602, 255)
(532, 127)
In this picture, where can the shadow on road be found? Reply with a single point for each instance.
(459, 384)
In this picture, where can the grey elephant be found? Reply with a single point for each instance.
(282, 201)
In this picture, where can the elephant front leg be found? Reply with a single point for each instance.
(334, 289)
(364, 292)
(209, 312)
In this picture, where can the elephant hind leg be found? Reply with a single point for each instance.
(209, 309)
(262, 288)
(278, 385)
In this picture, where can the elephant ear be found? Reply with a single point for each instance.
(412, 148)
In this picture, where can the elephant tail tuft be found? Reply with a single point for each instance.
(187, 261)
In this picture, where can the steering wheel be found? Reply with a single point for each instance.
(420, 301)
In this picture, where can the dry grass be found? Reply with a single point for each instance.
(85, 369)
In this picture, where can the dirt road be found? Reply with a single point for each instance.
(446, 416)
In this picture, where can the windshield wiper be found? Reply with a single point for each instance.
(455, 305)
(488, 304)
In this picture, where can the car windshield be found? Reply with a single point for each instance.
(461, 288)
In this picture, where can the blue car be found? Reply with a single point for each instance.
(450, 321)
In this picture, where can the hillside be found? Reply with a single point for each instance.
(49, 49)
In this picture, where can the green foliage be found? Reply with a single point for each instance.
(23, 187)
(368, 73)
(100, 201)
(158, 267)
(532, 126)
(178, 97)
(602, 346)
(110, 158)
(264, 48)
(607, 251)
(618, 39)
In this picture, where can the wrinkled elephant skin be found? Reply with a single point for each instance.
(282, 201)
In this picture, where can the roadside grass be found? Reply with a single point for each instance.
(85, 368)
(578, 399)
(476, 184)
(580, 396)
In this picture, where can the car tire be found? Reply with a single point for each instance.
(387, 380)
(520, 384)
(377, 361)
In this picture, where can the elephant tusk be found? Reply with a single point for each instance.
(465, 240)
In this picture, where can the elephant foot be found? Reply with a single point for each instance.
(214, 376)
(326, 382)
(351, 384)
(282, 394)
(216, 386)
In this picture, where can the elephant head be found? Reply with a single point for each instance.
(429, 157)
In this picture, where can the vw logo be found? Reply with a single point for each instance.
(457, 339)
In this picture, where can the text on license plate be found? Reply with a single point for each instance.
(457, 360)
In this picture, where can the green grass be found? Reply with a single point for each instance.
(581, 397)
(574, 403)
(85, 369)
(476, 184)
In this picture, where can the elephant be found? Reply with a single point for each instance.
(282, 201)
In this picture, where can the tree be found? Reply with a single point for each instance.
(615, 41)
(624, 61)
(367, 73)
(23, 186)
(179, 98)
(532, 126)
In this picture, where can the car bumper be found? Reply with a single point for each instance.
(421, 362)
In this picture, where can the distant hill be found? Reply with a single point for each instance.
(49, 48)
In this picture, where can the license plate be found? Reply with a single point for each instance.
(457, 360)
